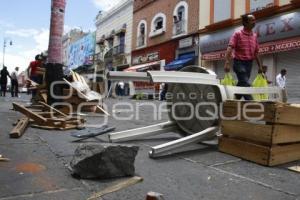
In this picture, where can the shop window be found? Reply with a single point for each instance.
(158, 25)
(221, 10)
(141, 34)
(256, 5)
(180, 16)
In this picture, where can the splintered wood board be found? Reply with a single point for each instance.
(20, 128)
(264, 155)
(261, 133)
(273, 112)
(29, 113)
(295, 168)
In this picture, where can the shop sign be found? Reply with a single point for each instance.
(186, 42)
(276, 28)
(274, 47)
(145, 58)
(267, 48)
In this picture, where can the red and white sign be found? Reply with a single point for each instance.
(266, 48)
(278, 46)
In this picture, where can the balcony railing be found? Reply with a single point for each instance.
(141, 40)
(179, 27)
(120, 49)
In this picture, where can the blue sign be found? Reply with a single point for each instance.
(82, 51)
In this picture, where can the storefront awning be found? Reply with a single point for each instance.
(182, 61)
(179, 63)
(141, 68)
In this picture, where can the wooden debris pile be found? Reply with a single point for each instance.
(268, 133)
(77, 98)
(43, 116)
(80, 97)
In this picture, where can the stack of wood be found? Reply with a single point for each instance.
(271, 140)
(80, 96)
(43, 116)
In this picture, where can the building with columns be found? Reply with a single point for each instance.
(113, 38)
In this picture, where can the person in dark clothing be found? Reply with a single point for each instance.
(4, 74)
(14, 83)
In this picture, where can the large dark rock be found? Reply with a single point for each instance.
(104, 161)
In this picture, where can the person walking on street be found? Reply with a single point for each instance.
(4, 74)
(14, 83)
(244, 46)
(281, 82)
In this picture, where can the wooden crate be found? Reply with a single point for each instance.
(264, 155)
(266, 134)
(272, 112)
(272, 138)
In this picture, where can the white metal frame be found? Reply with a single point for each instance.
(227, 92)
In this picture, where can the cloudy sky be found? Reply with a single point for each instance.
(26, 24)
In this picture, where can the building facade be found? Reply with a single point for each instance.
(163, 31)
(278, 34)
(113, 38)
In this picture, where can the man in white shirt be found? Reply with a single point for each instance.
(14, 83)
(122, 87)
(281, 82)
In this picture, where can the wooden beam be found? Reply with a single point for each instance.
(245, 150)
(20, 128)
(29, 113)
(259, 133)
(267, 134)
(51, 108)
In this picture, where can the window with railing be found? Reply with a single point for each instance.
(180, 18)
(158, 25)
(179, 27)
(141, 33)
(141, 40)
(120, 49)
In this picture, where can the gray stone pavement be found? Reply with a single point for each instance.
(39, 166)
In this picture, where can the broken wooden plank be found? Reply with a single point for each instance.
(119, 186)
(272, 112)
(99, 108)
(20, 128)
(67, 127)
(80, 94)
(281, 154)
(287, 114)
(53, 109)
(4, 159)
(267, 134)
(294, 168)
(259, 133)
(265, 155)
(29, 113)
(245, 150)
(35, 106)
